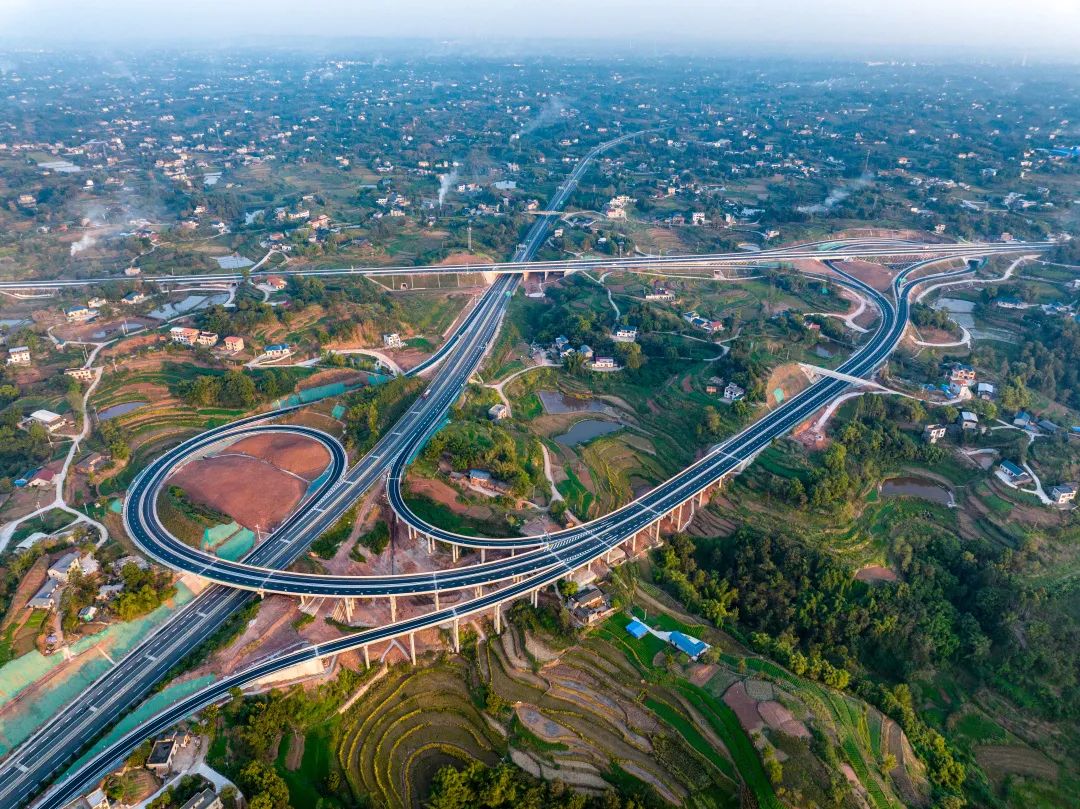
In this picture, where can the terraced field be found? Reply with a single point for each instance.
(612, 711)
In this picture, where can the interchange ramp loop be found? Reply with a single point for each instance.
(611, 529)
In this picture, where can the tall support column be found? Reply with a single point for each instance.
(412, 647)
(393, 609)
(483, 555)
(633, 544)
(656, 530)
(367, 658)
(430, 546)
(436, 601)
(454, 551)
(457, 637)
(498, 619)
(536, 598)
(348, 610)
(478, 591)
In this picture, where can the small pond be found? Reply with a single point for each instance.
(559, 403)
(587, 430)
(119, 410)
(917, 487)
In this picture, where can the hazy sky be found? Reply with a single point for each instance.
(1007, 27)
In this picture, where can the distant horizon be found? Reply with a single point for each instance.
(555, 47)
(1039, 31)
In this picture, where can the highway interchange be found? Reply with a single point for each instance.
(29, 767)
(544, 560)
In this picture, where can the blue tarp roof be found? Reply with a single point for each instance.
(637, 629)
(1012, 469)
(685, 643)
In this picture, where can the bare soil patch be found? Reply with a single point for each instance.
(788, 378)
(876, 275)
(251, 491)
(780, 718)
(874, 573)
(293, 453)
(745, 707)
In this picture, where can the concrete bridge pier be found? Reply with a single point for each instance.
(348, 604)
(483, 555)
(436, 601)
(412, 647)
(367, 657)
(535, 596)
(498, 619)
(457, 636)
(478, 591)
(393, 609)
(454, 552)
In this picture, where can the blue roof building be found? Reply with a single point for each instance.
(684, 643)
(637, 629)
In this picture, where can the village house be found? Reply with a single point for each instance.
(497, 412)
(1012, 474)
(968, 420)
(625, 334)
(711, 326)
(275, 282)
(92, 463)
(78, 314)
(81, 374)
(393, 340)
(207, 799)
(96, 302)
(46, 418)
(161, 756)
(206, 338)
(1063, 493)
(41, 479)
(45, 597)
(91, 800)
(276, 350)
(183, 335)
(61, 569)
(962, 375)
(18, 355)
(133, 298)
(933, 433)
(234, 344)
(659, 293)
(985, 391)
(604, 364)
(733, 393)
(589, 605)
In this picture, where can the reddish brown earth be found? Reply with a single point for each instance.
(293, 453)
(745, 707)
(876, 573)
(251, 491)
